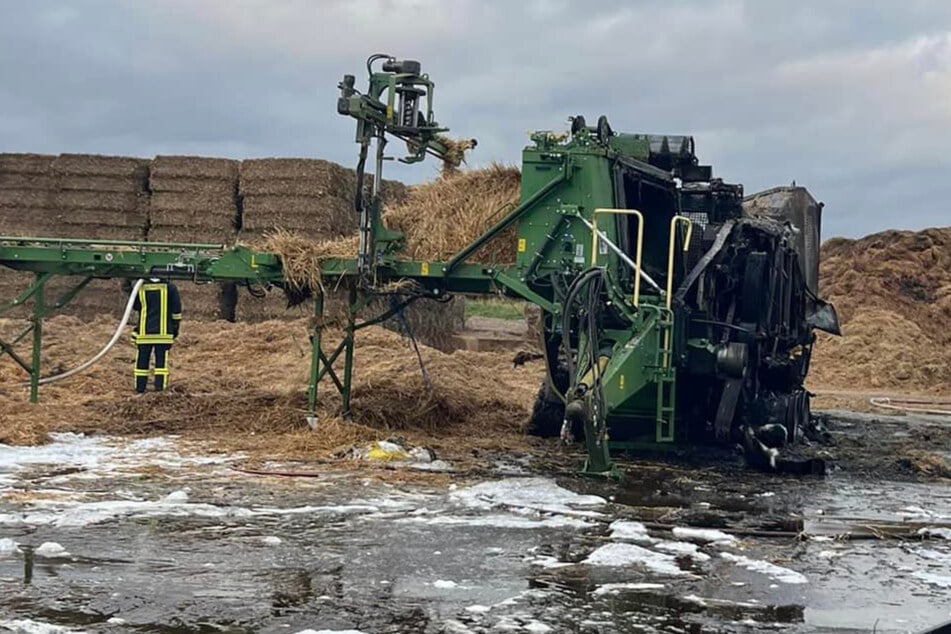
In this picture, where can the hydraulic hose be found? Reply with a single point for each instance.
(108, 346)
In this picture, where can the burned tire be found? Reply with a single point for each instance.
(548, 412)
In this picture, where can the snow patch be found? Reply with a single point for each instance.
(330, 632)
(702, 535)
(630, 554)
(444, 585)
(783, 575)
(271, 540)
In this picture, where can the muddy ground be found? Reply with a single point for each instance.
(161, 535)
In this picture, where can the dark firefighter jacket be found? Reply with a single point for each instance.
(160, 312)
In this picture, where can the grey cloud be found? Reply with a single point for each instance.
(851, 102)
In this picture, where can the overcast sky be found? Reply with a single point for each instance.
(854, 103)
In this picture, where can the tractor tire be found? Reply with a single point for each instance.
(548, 414)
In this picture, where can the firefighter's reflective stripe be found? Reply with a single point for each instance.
(176, 315)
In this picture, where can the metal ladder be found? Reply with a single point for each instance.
(666, 381)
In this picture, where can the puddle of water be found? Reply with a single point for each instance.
(523, 554)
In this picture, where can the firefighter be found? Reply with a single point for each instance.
(160, 315)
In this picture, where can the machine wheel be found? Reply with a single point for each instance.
(548, 413)
(798, 412)
(753, 301)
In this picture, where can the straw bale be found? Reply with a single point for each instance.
(256, 171)
(207, 188)
(272, 306)
(27, 199)
(21, 163)
(12, 283)
(169, 168)
(95, 200)
(191, 202)
(314, 217)
(99, 231)
(200, 302)
(99, 165)
(16, 180)
(122, 184)
(429, 322)
(441, 217)
(134, 217)
(293, 187)
(99, 297)
(35, 222)
(189, 234)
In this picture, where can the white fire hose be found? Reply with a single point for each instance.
(912, 405)
(108, 346)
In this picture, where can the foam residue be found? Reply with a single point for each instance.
(8, 547)
(537, 494)
(499, 520)
(783, 575)
(78, 514)
(615, 588)
(29, 626)
(625, 530)
(702, 535)
(93, 457)
(942, 581)
(935, 532)
(633, 555)
(51, 550)
(444, 584)
(682, 548)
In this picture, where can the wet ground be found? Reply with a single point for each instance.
(116, 536)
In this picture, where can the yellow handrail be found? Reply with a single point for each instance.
(670, 274)
(637, 253)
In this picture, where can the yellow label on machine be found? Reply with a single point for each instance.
(621, 383)
(424, 268)
(521, 245)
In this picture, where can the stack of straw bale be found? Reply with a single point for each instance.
(26, 209)
(305, 196)
(195, 199)
(71, 196)
(27, 206)
(100, 197)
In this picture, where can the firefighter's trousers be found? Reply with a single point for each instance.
(143, 358)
